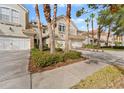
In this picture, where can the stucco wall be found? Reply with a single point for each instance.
(73, 30)
(23, 15)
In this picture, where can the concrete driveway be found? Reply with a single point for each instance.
(119, 54)
(13, 69)
(109, 57)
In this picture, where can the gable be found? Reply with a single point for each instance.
(22, 6)
(62, 19)
(17, 7)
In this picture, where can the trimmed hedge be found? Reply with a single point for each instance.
(90, 46)
(114, 47)
(44, 59)
(59, 49)
(72, 55)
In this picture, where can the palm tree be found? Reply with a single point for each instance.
(54, 23)
(92, 21)
(107, 21)
(39, 27)
(68, 16)
(87, 22)
(47, 14)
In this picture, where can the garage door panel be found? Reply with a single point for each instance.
(76, 44)
(10, 43)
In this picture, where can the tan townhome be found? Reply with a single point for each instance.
(75, 40)
(13, 23)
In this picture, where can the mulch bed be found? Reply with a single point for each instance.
(33, 69)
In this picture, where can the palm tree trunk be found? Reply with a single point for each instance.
(98, 37)
(92, 32)
(39, 27)
(88, 32)
(40, 38)
(68, 13)
(108, 36)
(54, 25)
(51, 38)
(67, 36)
(47, 13)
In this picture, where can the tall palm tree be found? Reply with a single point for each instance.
(92, 21)
(39, 27)
(68, 16)
(99, 35)
(47, 13)
(54, 23)
(87, 22)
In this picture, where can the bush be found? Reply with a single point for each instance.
(90, 46)
(44, 59)
(114, 47)
(46, 48)
(117, 43)
(72, 55)
(59, 49)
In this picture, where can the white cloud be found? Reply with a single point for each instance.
(78, 20)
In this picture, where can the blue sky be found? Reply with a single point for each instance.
(79, 21)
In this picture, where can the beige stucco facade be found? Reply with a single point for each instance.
(13, 21)
(74, 41)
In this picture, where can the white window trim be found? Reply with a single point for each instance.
(62, 24)
(10, 17)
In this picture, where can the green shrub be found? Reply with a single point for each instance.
(90, 46)
(59, 49)
(117, 43)
(113, 47)
(44, 59)
(46, 48)
(72, 55)
(34, 49)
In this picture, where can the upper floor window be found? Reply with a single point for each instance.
(4, 14)
(61, 27)
(15, 16)
(44, 30)
(9, 15)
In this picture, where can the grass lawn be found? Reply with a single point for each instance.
(113, 49)
(108, 77)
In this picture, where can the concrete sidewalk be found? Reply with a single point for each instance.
(66, 76)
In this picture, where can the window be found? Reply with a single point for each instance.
(61, 27)
(15, 16)
(44, 30)
(4, 14)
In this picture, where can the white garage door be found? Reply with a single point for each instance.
(76, 44)
(11, 43)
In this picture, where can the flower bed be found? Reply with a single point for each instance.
(41, 61)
